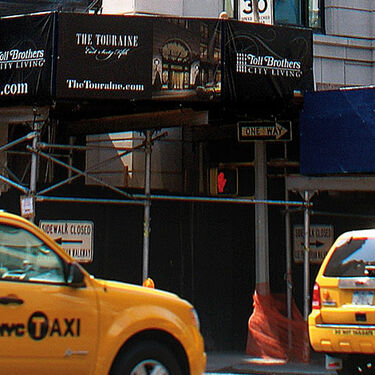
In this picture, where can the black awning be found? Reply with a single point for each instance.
(76, 57)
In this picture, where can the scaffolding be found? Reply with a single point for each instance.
(41, 150)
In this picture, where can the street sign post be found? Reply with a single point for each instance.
(250, 131)
(75, 237)
(27, 206)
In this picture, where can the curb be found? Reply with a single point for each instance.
(235, 363)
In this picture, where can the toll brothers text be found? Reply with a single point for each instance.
(17, 59)
(267, 65)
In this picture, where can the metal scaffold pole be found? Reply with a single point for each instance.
(307, 195)
(147, 206)
(34, 170)
(34, 163)
(306, 256)
(261, 221)
(288, 275)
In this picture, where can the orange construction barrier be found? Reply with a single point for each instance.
(272, 335)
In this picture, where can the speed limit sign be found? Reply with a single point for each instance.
(256, 11)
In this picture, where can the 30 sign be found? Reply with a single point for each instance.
(264, 13)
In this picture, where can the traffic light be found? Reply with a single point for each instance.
(224, 181)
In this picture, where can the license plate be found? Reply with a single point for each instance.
(353, 332)
(363, 297)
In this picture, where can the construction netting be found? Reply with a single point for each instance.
(272, 334)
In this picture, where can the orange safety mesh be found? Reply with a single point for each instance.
(272, 335)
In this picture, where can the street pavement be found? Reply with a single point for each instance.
(239, 363)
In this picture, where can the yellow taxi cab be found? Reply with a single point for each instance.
(342, 321)
(57, 319)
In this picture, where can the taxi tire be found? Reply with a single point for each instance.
(356, 365)
(366, 365)
(147, 351)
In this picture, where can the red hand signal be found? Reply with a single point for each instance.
(221, 182)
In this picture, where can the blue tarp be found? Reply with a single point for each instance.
(337, 132)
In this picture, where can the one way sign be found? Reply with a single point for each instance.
(264, 131)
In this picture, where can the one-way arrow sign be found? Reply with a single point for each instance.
(321, 239)
(61, 241)
(315, 244)
(249, 131)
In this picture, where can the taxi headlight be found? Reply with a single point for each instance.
(195, 318)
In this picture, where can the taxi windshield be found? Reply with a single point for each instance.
(352, 258)
(24, 257)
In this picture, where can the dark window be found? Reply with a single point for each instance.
(288, 12)
(307, 13)
(355, 257)
(230, 6)
(315, 14)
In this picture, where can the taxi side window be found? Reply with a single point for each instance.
(24, 257)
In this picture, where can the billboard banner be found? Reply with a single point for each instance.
(76, 56)
(266, 64)
(26, 45)
(104, 57)
(117, 57)
(186, 59)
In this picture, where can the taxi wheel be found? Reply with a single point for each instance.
(366, 367)
(357, 365)
(148, 357)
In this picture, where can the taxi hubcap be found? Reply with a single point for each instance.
(149, 367)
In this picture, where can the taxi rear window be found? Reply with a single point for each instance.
(355, 257)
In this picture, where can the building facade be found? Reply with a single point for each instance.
(343, 41)
(205, 252)
(343, 37)
(344, 52)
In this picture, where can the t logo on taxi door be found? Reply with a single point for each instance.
(37, 325)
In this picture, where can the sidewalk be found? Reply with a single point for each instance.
(240, 363)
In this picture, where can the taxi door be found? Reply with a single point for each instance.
(47, 329)
(47, 326)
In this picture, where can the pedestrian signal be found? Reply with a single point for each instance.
(224, 181)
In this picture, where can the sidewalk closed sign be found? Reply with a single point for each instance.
(75, 237)
(321, 239)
